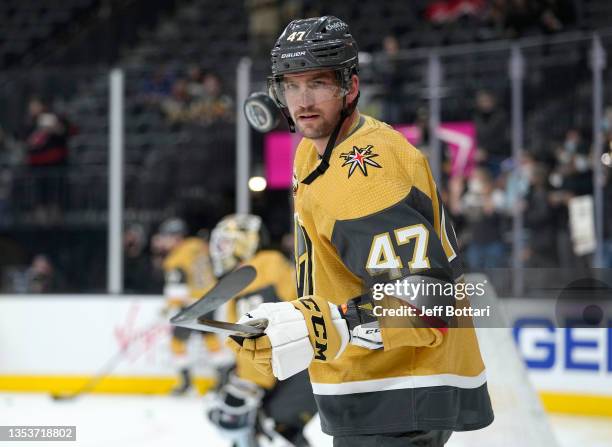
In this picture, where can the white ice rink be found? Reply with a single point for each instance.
(156, 421)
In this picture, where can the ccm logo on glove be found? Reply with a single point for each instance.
(318, 327)
(297, 333)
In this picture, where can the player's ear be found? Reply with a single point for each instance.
(354, 88)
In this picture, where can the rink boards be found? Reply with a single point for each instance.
(56, 343)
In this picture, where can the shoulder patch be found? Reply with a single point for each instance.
(360, 158)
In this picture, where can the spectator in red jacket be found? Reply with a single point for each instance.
(46, 160)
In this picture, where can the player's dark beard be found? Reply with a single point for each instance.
(323, 129)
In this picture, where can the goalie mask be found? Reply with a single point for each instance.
(234, 240)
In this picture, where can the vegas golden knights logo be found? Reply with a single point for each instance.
(360, 158)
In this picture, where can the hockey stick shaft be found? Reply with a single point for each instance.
(110, 365)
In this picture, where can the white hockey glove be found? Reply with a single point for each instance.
(297, 333)
(233, 408)
(367, 335)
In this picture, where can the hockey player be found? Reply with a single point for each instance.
(245, 395)
(188, 274)
(367, 211)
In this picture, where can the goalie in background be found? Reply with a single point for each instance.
(247, 401)
(188, 275)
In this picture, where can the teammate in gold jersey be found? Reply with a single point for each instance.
(188, 275)
(367, 211)
(245, 395)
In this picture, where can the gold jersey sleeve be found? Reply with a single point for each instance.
(275, 281)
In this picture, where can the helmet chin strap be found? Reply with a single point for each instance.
(289, 119)
(324, 163)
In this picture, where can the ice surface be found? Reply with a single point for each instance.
(156, 421)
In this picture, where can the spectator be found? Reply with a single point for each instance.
(47, 159)
(571, 177)
(195, 89)
(136, 264)
(176, 106)
(539, 219)
(481, 206)
(214, 105)
(392, 77)
(573, 173)
(42, 276)
(448, 11)
(48, 144)
(36, 107)
(491, 131)
(159, 86)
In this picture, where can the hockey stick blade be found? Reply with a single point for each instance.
(192, 317)
(222, 327)
(227, 288)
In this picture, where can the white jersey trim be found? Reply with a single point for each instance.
(397, 383)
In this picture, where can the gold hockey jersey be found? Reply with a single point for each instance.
(188, 272)
(275, 281)
(376, 210)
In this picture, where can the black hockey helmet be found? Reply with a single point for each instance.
(310, 44)
(315, 44)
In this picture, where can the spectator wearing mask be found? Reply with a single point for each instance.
(573, 173)
(481, 206)
(571, 177)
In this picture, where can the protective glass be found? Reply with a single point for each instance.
(288, 91)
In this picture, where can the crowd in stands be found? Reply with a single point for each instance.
(199, 101)
(35, 158)
(506, 18)
(540, 187)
